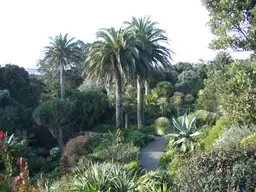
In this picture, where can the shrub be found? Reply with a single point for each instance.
(231, 137)
(121, 153)
(103, 128)
(136, 137)
(77, 147)
(249, 142)
(134, 167)
(216, 131)
(162, 122)
(166, 158)
(162, 126)
(204, 117)
(87, 108)
(158, 178)
(149, 130)
(97, 177)
(229, 170)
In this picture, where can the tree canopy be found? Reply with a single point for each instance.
(233, 23)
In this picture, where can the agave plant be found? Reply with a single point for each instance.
(184, 137)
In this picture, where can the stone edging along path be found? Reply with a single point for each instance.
(151, 154)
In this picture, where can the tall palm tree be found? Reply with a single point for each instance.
(112, 56)
(153, 55)
(61, 52)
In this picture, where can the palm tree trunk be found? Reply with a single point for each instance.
(62, 90)
(118, 95)
(109, 87)
(140, 104)
(60, 138)
(126, 120)
(147, 87)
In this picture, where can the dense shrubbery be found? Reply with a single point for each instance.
(216, 131)
(121, 153)
(137, 138)
(204, 118)
(229, 170)
(76, 148)
(97, 177)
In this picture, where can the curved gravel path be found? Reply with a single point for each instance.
(151, 153)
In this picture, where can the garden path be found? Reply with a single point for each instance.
(151, 154)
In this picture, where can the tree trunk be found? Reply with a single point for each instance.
(118, 95)
(178, 110)
(140, 103)
(60, 138)
(126, 120)
(62, 89)
(147, 87)
(109, 87)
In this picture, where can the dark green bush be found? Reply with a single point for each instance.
(229, 170)
(149, 130)
(120, 153)
(88, 107)
(103, 128)
(135, 137)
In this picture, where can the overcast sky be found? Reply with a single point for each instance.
(27, 24)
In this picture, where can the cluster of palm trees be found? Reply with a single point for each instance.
(131, 53)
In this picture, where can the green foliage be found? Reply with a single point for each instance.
(158, 178)
(164, 89)
(204, 118)
(162, 122)
(53, 115)
(233, 23)
(102, 128)
(229, 170)
(216, 131)
(177, 100)
(121, 153)
(184, 137)
(249, 142)
(76, 148)
(166, 158)
(238, 95)
(87, 108)
(162, 126)
(97, 177)
(134, 167)
(13, 115)
(149, 130)
(231, 138)
(62, 52)
(136, 137)
(24, 89)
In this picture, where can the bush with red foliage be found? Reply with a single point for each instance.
(76, 148)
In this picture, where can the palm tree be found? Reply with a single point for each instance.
(153, 55)
(112, 56)
(60, 53)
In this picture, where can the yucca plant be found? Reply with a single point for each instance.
(184, 137)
